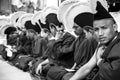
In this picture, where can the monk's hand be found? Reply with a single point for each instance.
(39, 69)
(70, 70)
(30, 64)
(98, 62)
(100, 52)
(72, 78)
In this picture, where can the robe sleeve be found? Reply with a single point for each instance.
(66, 47)
(40, 47)
(36, 47)
(110, 69)
(81, 54)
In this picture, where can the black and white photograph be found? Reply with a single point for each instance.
(59, 39)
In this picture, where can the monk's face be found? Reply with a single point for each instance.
(53, 29)
(43, 34)
(105, 30)
(77, 29)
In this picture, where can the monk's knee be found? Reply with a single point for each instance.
(67, 76)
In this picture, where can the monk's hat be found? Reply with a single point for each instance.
(50, 17)
(15, 16)
(47, 11)
(101, 13)
(28, 25)
(23, 19)
(84, 19)
(80, 13)
(36, 17)
(63, 8)
(4, 21)
(7, 29)
(93, 4)
(44, 18)
(10, 29)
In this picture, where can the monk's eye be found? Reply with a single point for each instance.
(96, 29)
(104, 27)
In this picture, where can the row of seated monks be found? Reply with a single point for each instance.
(46, 47)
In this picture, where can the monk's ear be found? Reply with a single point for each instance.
(51, 25)
(115, 27)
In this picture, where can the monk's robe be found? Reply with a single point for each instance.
(38, 51)
(85, 51)
(12, 40)
(40, 47)
(23, 55)
(3, 52)
(61, 55)
(82, 55)
(109, 67)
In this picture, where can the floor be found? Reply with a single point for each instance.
(8, 72)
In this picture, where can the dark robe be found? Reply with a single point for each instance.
(23, 56)
(12, 40)
(3, 52)
(38, 50)
(109, 68)
(40, 47)
(59, 54)
(83, 53)
(62, 55)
